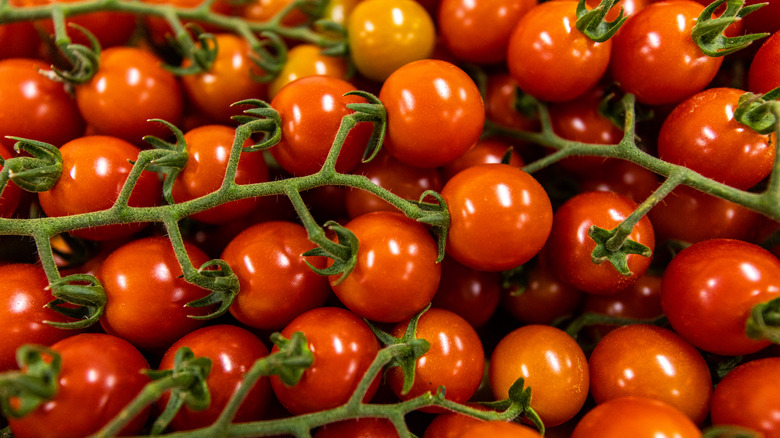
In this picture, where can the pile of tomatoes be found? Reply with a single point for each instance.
(669, 352)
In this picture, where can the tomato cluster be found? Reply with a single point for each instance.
(627, 283)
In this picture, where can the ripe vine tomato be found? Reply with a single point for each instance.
(501, 97)
(23, 313)
(343, 346)
(499, 429)
(19, 40)
(11, 194)
(208, 148)
(434, 113)
(637, 417)
(94, 169)
(34, 105)
(385, 35)
(449, 425)
(553, 366)
(702, 134)
(747, 397)
(479, 31)
(146, 295)
(472, 294)
(264, 10)
(641, 300)
(455, 360)
(111, 28)
(550, 59)
(709, 289)
(233, 351)
(763, 75)
(572, 246)
(655, 58)
(396, 274)
(229, 80)
(500, 217)
(276, 283)
(486, 151)
(359, 428)
(649, 361)
(159, 29)
(307, 60)
(99, 372)
(311, 109)
(129, 88)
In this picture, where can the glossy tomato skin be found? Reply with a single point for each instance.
(709, 289)
(455, 360)
(129, 88)
(385, 35)
(500, 217)
(702, 134)
(19, 40)
(550, 59)
(747, 397)
(636, 417)
(649, 361)
(307, 60)
(641, 300)
(500, 99)
(551, 363)
(23, 313)
(35, 104)
(229, 80)
(434, 113)
(146, 296)
(499, 429)
(449, 425)
(396, 274)
(111, 28)
(360, 428)
(486, 151)
(208, 150)
(99, 371)
(624, 177)
(276, 283)
(336, 370)
(94, 169)
(311, 109)
(762, 76)
(462, 26)
(572, 246)
(654, 57)
(232, 350)
(11, 194)
(472, 294)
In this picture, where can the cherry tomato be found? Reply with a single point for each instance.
(463, 25)
(449, 425)
(158, 28)
(11, 194)
(655, 58)
(747, 397)
(129, 88)
(762, 77)
(702, 134)
(396, 274)
(572, 246)
(641, 300)
(472, 294)
(339, 10)
(343, 346)
(265, 10)
(553, 366)
(709, 289)
(111, 28)
(434, 112)
(146, 295)
(233, 351)
(550, 59)
(229, 80)
(94, 169)
(763, 20)
(455, 360)
(624, 177)
(19, 40)
(33, 105)
(311, 109)
(408, 182)
(636, 417)
(25, 293)
(307, 60)
(276, 283)
(360, 428)
(486, 151)
(99, 372)
(500, 100)
(385, 35)
(650, 361)
(208, 148)
(500, 217)
(499, 429)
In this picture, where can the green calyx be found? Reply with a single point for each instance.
(37, 173)
(593, 22)
(764, 321)
(84, 60)
(172, 159)
(201, 54)
(610, 246)
(223, 284)
(77, 296)
(21, 392)
(292, 359)
(519, 401)
(708, 33)
(343, 252)
(759, 112)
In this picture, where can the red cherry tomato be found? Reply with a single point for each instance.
(747, 397)
(624, 177)
(94, 169)
(146, 295)
(550, 59)
(486, 151)
(762, 76)
(343, 346)
(553, 366)
(111, 28)
(455, 360)
(396, 274)
(434, 113)
(709, 289)
(276, 283)
(449, 425)
(19, 40)
(232, 351)
(499, 429)
(360, 428)
(635, 417)
(473, 295)
(100, 372)
(500, 217)
(500, 99)
(641, 300)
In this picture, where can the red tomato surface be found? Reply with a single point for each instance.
(360, 428)
(499, 429)
(500, 99)
(449, 425)
(111, 28)
(641, 300)
(636, 417)
(307, 60)
(486, 151)
(763, 75)
(19, 40)
(472, 294)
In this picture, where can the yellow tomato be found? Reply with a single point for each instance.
(307, 60)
